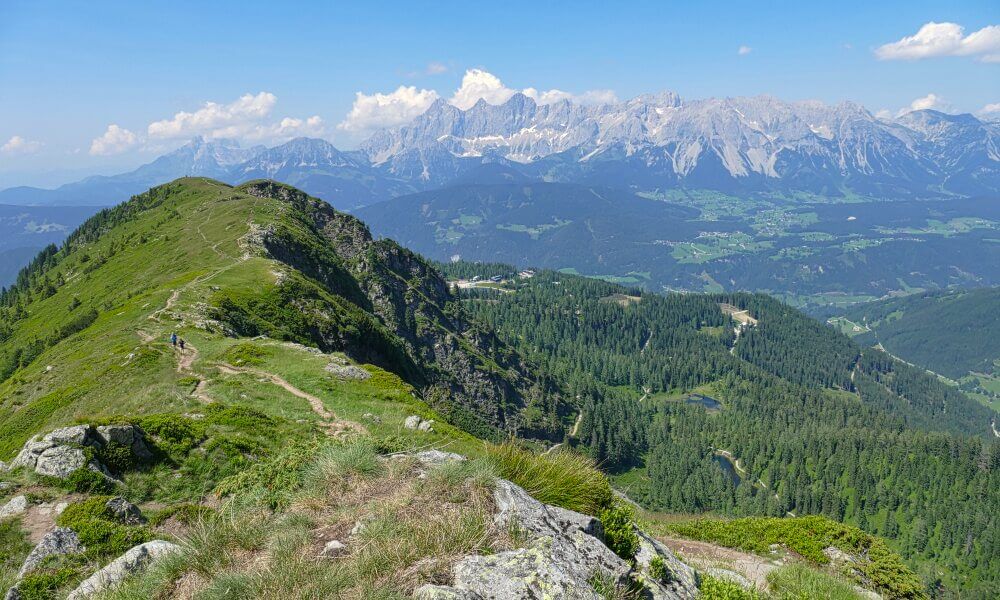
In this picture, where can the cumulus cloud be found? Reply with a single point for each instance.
(478, 84)
(381, 110)
(18, 145)
(213, 117)
(247, 119)
(744, 50)
(929, 102)
(378, 110)
(114, 141)
(944, 39)
(990, 110)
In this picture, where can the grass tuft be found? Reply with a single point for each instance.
(562, 478)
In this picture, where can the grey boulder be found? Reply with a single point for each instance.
(60, 540)
(124, 511)
(135, 560)
(15, 506)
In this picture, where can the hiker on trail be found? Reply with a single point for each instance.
(173, 338)
(182, 344)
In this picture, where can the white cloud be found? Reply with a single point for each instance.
(246, 119)
(884, 114)
(436, 68)
(990, 110)
(944, 39)
(930, 102)
(114, 141)
(378, 110)
(213, 118)
(744, 50)
(478, 84)
(18, 145)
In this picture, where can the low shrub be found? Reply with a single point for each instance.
(98, 532)
(619, 530)
(186, 512)
(273, 479)
(246, 354)
(658, 570)
(118, 458)
(44, 584)
(562, 478)
(174, 434)
(714, 588)
(87, 481)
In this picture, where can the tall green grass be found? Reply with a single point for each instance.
(562, 478)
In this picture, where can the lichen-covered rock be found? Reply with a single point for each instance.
(15, 506)
(683, 581)
(62, 451)
(411, 422)
(564, 557)
(124, 511)
(426, 426)
(60, 461)
(347, 371)
(61, 540)
(443, 592)
(130, 563)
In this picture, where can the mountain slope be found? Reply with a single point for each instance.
(771, 414)
(261, 259)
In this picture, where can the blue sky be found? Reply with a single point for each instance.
(69, 70)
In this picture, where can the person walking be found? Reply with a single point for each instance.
(173, 339)
(181, 341)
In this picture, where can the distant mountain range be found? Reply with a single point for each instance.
(649, 143)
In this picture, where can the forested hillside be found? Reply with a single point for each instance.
(952, 333)
(800, 420)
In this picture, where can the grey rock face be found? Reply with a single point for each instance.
(130, 563)
(683, 579)
(565, 553)
(124, 511)
(60, 461)
(61, 451)
(60, 540)
(15, 506)
(411, 422)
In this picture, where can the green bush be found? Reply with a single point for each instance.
(98, 532)
(86, 481)
(174, 434)
(273, 479)
(808, 536)
(713, 588)
(119, 458)
(239, 417)
(565, 479)
(619, 530)
(43, 584)
(658, 570)
(246, 354)
(186, 512)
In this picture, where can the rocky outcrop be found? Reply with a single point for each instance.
(62, 451)
(14, 507)
(60, 540)
(421, 333)
(565, 557)
(135, 560)
(124, 511)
